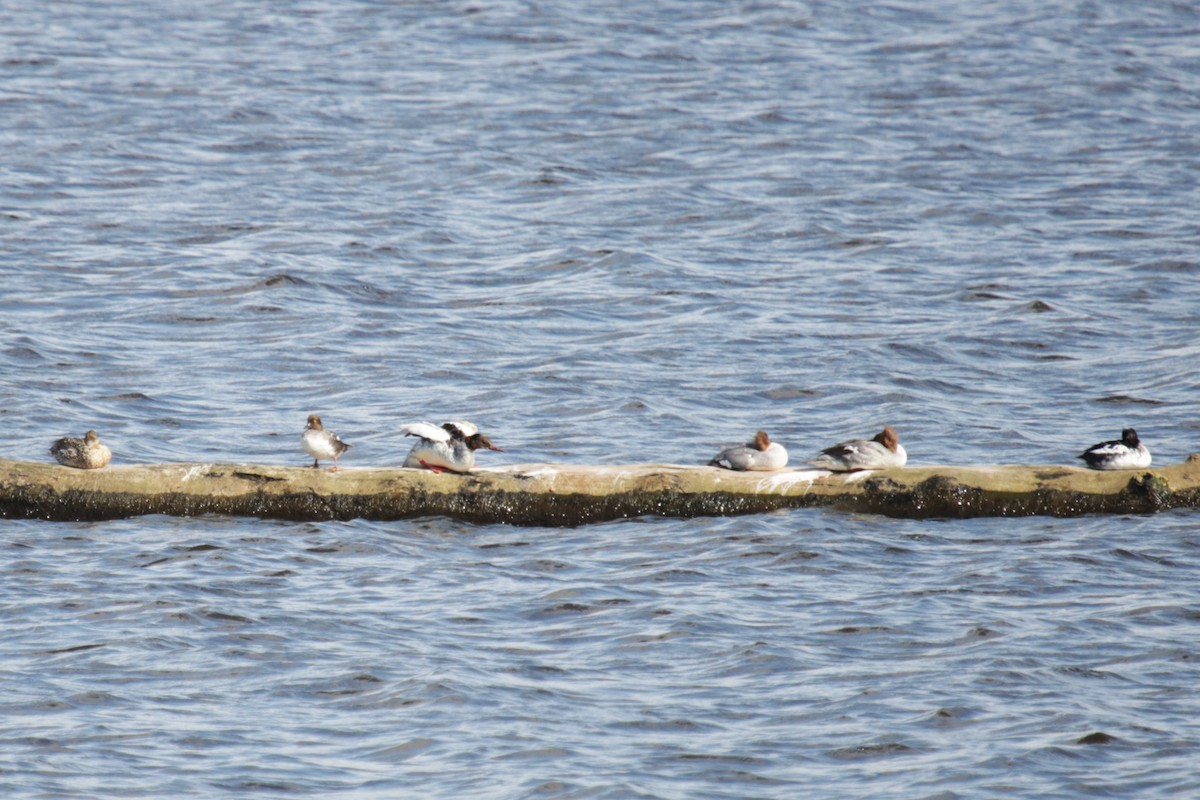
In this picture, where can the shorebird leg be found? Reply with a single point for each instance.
(436, 469)
(316, 463)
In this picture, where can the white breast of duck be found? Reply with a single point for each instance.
(760, 455)
(1128, 452)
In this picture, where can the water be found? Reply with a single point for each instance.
(607, 235)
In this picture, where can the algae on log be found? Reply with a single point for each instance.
(562, 494)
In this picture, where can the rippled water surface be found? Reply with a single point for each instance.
(606, 233)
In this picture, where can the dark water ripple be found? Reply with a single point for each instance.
(606, 236)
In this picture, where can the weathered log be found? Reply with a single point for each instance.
(562, 494)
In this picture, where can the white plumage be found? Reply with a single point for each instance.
(426, 430)
(1128, 452)
(450, 446)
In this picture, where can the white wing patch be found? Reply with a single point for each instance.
(425, 430)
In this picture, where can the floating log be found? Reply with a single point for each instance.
(564, 495)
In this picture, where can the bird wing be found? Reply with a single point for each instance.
(467, 429)
(844, 449)
(425, 430)
(733, 458)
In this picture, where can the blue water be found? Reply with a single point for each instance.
(606, 234)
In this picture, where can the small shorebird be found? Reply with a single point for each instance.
(85, 453)
(759, 455)
(880, 452)
(320, 443)
(450, 447)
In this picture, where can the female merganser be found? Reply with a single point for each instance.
(451, 447)
(760, 455)
(320, 443)
(881, 452)
(85, 453)
(1128, 452)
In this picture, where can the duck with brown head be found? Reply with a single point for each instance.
(320, 443)
(881, 452)
(760, 455)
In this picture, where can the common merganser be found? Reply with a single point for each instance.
(320, 443)
(1128, 452)
(85, 453)
(451, 447)
(880, 452)
(759, 455)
